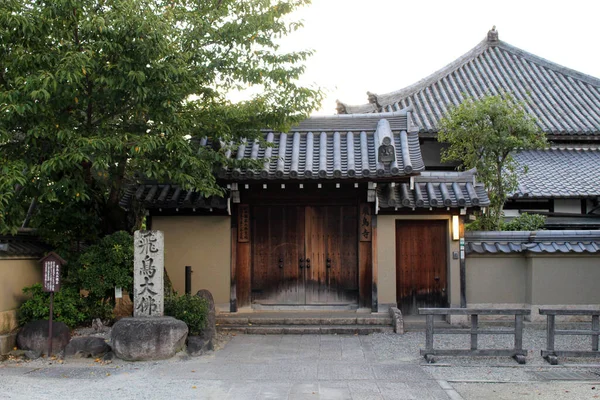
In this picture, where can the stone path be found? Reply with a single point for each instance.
(381, 366)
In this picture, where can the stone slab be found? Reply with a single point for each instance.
(7, 343)
(148, 274)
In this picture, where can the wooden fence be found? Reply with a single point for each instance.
(517, 352)
(550, 354)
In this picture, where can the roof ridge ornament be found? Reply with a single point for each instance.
(492, 36)
(373, 99)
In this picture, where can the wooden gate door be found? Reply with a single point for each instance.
(421, 256)
(277, 247)
(303, 255)
(331, 252)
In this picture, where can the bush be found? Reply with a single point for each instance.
(101, 268)
(192, 310)
(68, 306)
(525, 222)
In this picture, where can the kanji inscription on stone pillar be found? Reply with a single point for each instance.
(148, 273)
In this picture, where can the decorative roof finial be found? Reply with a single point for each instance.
(373, 98)
(492, 34)
(340, 107)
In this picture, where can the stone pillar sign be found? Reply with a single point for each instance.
(148, 274)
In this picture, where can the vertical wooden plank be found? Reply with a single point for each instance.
(233, 263)
(374, 267)
(364, 274)
(474, 324)
(550, 332)
(518, 332)
(243, 272)
(595, 329)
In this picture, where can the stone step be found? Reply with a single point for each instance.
(305, 329)
(264, 321)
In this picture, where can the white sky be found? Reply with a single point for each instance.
(384, 45)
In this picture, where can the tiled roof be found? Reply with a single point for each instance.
(533, 242)
(22, 246)
(559, 173)
(155, 196)
(563, 101)
(336, 147)
(435, 190)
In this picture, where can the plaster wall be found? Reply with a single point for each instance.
(492, 279)
(571, 206)
(202, 242)
(386, 256)
(15, 274)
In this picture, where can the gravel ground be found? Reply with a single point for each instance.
(470, 378)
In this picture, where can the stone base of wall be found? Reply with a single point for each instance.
(8, 321)
(7, 343)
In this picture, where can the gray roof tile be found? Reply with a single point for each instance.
(563, 101)
(155, 196)
(335, 147)
(559, 173)
(533, 242)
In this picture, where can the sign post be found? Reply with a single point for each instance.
(51, 265)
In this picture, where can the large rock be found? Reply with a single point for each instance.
(34, 336)
(86, 346)
(155, 338)
(203, 342)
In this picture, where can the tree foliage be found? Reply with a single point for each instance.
(483, 134)
(95, 94)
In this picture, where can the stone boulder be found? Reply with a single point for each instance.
(87, 346)
(148, 338)
(34, 336)
(199, 344)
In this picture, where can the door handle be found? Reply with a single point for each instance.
(308, 263)
(328, 262)
(437, 278)
(301, 263)
(281, 263)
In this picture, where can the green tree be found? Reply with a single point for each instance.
(95, 94)
(484, 134)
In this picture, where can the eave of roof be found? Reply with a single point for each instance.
(563, 101)
(21, 246)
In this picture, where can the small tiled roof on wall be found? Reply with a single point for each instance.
(581, 241)
(155, 196)
(336, 147)
(435, 190)
(559, 173)
(22, 246)
(563, 101)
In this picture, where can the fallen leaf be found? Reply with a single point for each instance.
(193, 387)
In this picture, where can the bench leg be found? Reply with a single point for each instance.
(552, 360)
(430, 359)
(521, 359)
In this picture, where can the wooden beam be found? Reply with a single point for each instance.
(374, 267)
(233, 262)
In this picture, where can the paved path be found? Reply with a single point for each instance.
(249, 367)
(303, 367)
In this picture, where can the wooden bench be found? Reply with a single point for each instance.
(550, 354)
(517, 352)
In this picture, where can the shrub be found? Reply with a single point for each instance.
(101, 268)
(68, 306)
(525, 222)
(192, 310)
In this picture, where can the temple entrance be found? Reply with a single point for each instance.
(305, 255)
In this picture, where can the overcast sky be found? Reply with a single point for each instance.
(384, 45)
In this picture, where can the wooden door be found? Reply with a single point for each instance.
(421, 257)
(331, 252)
(305, 255)
(277, 247)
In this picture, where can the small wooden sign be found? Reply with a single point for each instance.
(51, 267)
(364, 223)
(243, 223)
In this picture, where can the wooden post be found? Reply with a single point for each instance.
(519, 332)
(550, 332)
(474, 323)
(50, 324)
(595, 330)
(374, 301)
(188, 280)
(233, 262)
(429, 333)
